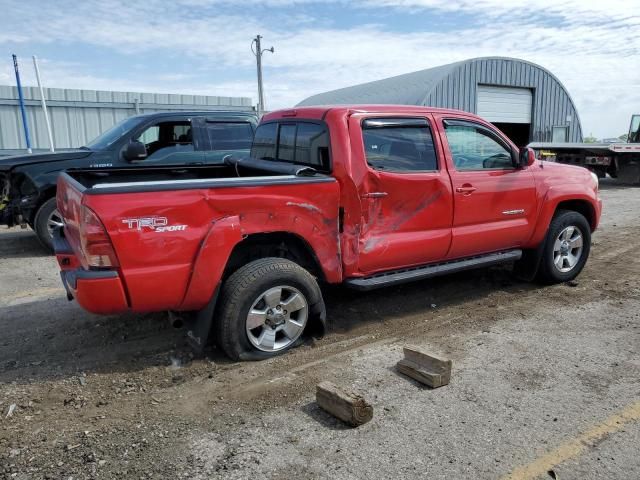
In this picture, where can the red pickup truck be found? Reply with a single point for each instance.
(364, 196)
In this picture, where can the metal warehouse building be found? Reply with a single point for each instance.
(78, 116)
(524, 100)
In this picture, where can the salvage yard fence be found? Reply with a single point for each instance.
(77, 116)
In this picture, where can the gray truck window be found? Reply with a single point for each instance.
(166, 141)
(473, 148)
(229, 136)
(400, 148)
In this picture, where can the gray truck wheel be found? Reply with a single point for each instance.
(566, 247)
(47, 218)
(265, 306)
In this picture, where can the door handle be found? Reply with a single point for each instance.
(374, 195)
(466, 189)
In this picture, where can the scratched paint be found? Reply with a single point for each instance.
(306, 206)
(398, 221)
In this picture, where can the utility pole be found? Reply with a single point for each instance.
(258, 54)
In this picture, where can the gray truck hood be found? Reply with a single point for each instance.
(7, 163)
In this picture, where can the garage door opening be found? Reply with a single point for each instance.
(509, 109)
(518, 133)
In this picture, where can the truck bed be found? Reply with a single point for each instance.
(234, 172)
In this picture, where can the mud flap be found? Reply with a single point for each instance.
(318, 328)
(199, 326)
(527, 267)
(629, 172)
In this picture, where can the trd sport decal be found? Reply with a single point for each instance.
(157, 224)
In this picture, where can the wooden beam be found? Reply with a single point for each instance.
(425, 368)
(349, 407)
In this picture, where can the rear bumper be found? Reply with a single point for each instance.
(97, 291)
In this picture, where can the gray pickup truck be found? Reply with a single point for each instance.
(28, 182)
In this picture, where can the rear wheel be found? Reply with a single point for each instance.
(47, 219)
(265, 306)
(566, 248)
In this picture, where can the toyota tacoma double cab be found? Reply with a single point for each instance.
(363, 196)
(28, 182)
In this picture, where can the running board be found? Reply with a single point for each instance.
(397, 277)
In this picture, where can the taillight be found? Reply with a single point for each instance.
(94, 241)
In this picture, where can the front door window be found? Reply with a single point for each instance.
(166, 142)
(475, 148)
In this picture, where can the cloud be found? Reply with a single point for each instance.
(593, 47)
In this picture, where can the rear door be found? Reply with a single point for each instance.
(405, 193)
(495, 203)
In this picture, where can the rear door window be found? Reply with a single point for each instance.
(399, 145)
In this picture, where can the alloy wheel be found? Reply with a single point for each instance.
(277, 318)
(567, 249)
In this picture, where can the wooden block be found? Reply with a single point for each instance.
(425, 368)
(349, 407)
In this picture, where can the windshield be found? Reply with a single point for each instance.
(108, 138)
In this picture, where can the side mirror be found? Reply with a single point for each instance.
(527, 157)
(134, 151)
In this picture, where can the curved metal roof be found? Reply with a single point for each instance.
(455, 86)
(406, 89)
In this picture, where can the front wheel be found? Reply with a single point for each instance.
(46, 221)
(566, 248)
(265, 306)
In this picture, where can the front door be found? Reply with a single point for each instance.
(494, 201)
(405, 194)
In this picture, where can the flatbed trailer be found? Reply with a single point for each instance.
(619, 160)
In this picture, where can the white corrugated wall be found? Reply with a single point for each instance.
(77, 116)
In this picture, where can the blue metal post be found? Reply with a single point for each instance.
(21, 99)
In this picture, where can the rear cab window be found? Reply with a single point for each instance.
(300, 142)
(400, 145)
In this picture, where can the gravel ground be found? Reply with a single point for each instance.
(545, 383)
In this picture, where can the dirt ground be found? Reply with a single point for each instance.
(545, 383)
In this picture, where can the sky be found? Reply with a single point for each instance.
(203, 46)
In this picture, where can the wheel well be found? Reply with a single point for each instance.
(276, 244)
(44, 196)
(581, 207)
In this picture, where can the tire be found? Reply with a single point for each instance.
(46, 218)
(265, 288)
(566, 248)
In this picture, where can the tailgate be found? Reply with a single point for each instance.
(69, 202)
